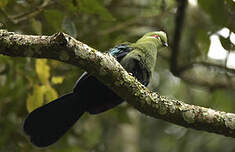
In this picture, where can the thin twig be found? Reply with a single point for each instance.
(26, 15)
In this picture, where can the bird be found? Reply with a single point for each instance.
(47, 124)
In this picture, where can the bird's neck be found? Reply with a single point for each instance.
(148, 47)
(149, 50)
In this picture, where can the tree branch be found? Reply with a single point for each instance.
(189, 72)
(105, 68)
(213, 79)
(26, 15)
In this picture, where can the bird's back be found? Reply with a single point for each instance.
(99, 97)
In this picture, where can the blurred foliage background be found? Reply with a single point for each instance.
(184, 71)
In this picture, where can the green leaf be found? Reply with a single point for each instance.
(35, 100)
(95, 7)
(36, 26)
(230, 4)
(50, 93)
(216, 10)
(57, 80)
(54, 18)
(203, 41)
(222, 100)
(69, 5)
(3, 3)
(226, 43)
(230, 7)
(42, 70)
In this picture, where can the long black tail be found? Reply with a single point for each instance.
(48, 123)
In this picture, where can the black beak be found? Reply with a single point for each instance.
(165, 44)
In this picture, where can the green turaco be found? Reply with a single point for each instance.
(47, 124)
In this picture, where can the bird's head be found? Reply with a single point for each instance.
(158, 37)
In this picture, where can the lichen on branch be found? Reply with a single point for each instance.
(106, 69)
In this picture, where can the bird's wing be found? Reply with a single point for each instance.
(133, 63)
(120, 51)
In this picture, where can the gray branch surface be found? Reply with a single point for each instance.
(105, 68)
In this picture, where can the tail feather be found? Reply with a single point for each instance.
(48, 123)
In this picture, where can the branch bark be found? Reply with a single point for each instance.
(64, 48)
(213, 79)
